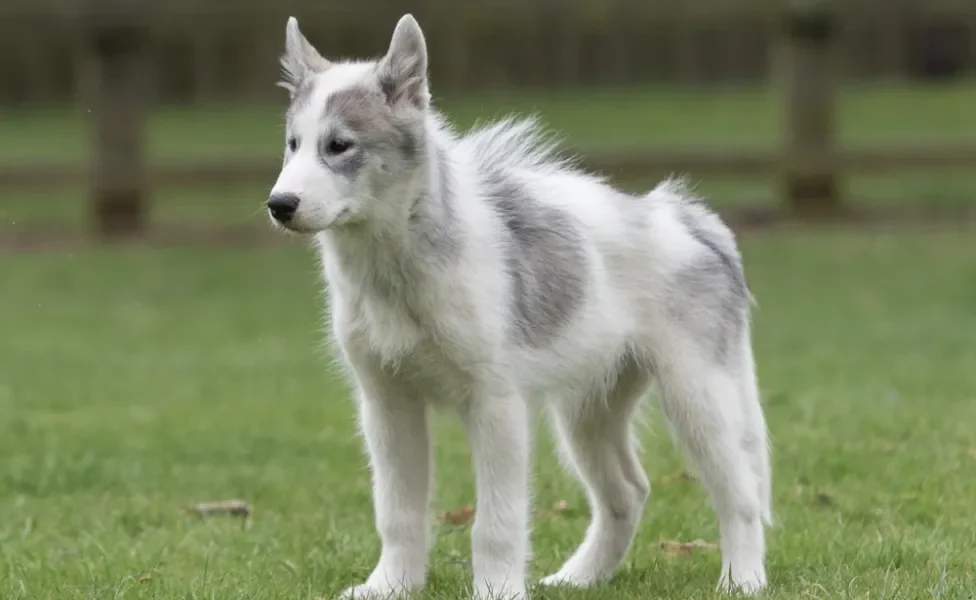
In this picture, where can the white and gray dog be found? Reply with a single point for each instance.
(481, 272)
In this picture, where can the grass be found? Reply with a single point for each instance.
(135, 383)
(590, 119)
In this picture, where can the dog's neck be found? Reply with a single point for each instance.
(395, 252)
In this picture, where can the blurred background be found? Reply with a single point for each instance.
(167, 111)
(161, 345)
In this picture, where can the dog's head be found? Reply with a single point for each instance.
(354, 132)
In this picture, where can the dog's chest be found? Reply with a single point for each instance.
(401, 345)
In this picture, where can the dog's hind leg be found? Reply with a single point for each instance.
(722, 431)
(755, 436)
(598, 444)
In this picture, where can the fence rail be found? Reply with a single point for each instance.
(644, 162)
(214, 49)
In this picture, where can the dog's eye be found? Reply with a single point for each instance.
(336, 147)
(293, 144)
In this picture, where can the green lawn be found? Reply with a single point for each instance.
(587, 119)
(133, 384)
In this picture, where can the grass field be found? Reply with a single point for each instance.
(591, 120)
(133, 384)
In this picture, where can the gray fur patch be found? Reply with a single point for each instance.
(348, 163)
(363, 111)
(712, 296)
(357, 106)
(546, 262)
(432, 216)
(731, 263)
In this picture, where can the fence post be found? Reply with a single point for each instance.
(117, 36)
(811, 184)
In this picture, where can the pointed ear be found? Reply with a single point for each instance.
(300, 58)
(403, 71)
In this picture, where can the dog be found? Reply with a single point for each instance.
(485, 273)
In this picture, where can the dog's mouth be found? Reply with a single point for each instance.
(297, 227)
(292, 228)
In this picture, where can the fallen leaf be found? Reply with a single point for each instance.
(234, 508)
(673, 548)
(676, 477)
(822, 499)
(557, 509)
(458, 516)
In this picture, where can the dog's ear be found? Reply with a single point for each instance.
(403, 71)
(300, 58)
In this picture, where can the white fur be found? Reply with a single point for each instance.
(442, 339)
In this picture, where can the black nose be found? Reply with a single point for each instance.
(283, 206)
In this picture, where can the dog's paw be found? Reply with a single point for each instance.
(748, 582)
(565, 580)
(576, 573)
(507, 593)
(369, 591)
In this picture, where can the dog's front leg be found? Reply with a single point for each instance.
(398, 442)
(498, 429)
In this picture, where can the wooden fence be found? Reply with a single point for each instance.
(811, 35)
(211, 50)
